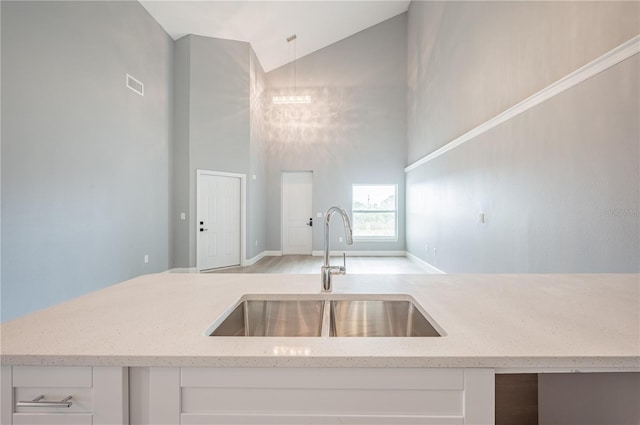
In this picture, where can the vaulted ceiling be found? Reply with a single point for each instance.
(267, 24)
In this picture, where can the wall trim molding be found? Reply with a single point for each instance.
(600, 64)
(182, 270)
(429, 267)
(263, 254)
(252, 261)
(362, 253)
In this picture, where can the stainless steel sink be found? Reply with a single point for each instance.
(273, 318)
(334, 315)
(378, 318)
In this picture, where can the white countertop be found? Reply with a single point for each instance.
(507, 322)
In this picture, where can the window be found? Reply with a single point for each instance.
(375, 212)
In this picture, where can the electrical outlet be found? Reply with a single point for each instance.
(340, 239)
(481, 218)
(319, 215)
(146, 258)
(183, 216)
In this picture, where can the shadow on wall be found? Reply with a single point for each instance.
(332, 119)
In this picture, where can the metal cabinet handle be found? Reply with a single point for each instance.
(38, 402)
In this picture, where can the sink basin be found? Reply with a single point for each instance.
(327, 315)
(350, 318)
(273, 318)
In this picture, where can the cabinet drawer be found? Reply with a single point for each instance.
(99, 395)
(45, 376)
(52, 384)
(81, 399)
(52, 419)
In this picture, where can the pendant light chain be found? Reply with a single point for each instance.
(293, 98)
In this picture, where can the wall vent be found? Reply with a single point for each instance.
(135, 85)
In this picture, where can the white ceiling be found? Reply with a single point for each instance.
(266, 24)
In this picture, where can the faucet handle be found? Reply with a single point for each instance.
(343, 269)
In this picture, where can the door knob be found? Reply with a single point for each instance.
(310, 223)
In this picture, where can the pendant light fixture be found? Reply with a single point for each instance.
(293, 99)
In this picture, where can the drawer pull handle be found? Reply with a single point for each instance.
(38, 402)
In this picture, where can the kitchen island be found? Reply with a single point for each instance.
(153, 328)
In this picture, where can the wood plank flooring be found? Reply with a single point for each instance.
(306, 264)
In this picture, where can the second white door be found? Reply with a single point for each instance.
(296, 212)
(218, 243)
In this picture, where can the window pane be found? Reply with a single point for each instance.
(374, 198)
(374, 224)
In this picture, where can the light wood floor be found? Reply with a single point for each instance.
(306, 264)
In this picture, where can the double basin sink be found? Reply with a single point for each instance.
(333, 315)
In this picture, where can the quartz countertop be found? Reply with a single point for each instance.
(561, 322)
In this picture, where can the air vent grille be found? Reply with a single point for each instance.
(135, 85)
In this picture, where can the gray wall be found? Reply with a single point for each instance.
(218, 94)
(354, 130)
(0, 161)
(218, 105)
(218, 113)
(256, 187)
(549, 181)
(181, 234)
(85, 178)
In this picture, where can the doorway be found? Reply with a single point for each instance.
(219, 219)
(297, 213)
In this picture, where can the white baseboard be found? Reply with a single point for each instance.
(349, 253)
(247, 262)
(263, 254)
(183, 270)
(362, 253)
(424, 264)
(252, 261)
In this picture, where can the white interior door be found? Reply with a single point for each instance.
(296, 212)
(218, 220)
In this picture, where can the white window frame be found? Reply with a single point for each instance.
(393, 238)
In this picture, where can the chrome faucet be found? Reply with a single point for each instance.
(327, 270)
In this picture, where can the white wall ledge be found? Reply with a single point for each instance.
(602, 63)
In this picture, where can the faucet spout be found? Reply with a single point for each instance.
(326, 269)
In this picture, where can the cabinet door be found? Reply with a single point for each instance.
(372, 396)
(97, 395)
(322, 396)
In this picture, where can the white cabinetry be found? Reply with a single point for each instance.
(311, 395)
(99, 395)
